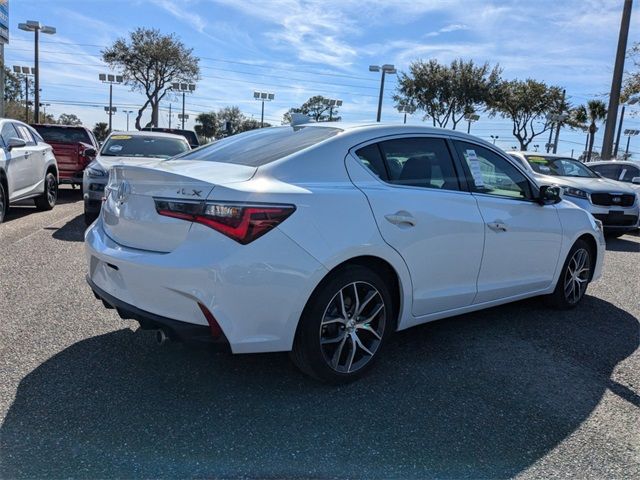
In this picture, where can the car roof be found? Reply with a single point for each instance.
(138, 133)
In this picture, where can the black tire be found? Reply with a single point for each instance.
(564, 297)
(90, 217)
(48, 199)
(363, 332)
(4, 203)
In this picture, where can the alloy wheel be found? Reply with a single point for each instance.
(52, 190)
(577, 276)
(352, 327)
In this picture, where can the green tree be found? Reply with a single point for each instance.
(101, 130)
(318, 108)
(632, 80)
(150, 62)
(69, 119)
(587, 117)
(251, 124)
(527, 104)
(446, 92)
(207, 125)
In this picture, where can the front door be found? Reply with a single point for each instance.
(413, 189)
(522, 237)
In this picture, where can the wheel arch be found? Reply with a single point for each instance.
(5, 183)
(593, 246)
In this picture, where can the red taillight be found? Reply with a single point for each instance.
(242, 223)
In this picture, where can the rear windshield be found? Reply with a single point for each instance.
(143, 146)
(262, 146)
(53, 134)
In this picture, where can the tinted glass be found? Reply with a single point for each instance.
(371, 158)
(143, 146)
(622, 173)
(8, 132)
(25, 134)
(492, 174)
(563, 167)
(190, 136)
(262, 146)
(53, 134)
(419, 162)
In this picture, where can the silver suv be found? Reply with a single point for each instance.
(611, 202)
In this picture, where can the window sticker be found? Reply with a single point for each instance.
(115, 148)
(533, 159)
(474, 165)
(622, 174)
(120, 137)
(544, 168)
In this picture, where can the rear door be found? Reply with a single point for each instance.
(422, 212)
(522, 237)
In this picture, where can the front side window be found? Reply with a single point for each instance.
(121, 145)
(415, 162)
(492, 174)
(8, 132)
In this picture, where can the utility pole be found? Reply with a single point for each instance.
(616, 82)
(559, 124)
(631, 101)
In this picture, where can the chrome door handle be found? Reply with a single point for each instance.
(497, 226)
(401, 218)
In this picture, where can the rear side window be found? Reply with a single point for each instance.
(419, 162)
(55, 134)
(262, 146)
(25, 134)
(372, 159)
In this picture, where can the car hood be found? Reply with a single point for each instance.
(107, 162)
(591, 185)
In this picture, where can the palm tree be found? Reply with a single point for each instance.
(586, 118)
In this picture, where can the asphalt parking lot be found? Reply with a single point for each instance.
(519, 390)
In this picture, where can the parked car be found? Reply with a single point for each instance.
(135, 148)
(621, 170)
(74, 147)
(613, 203)
(28, 167)
(322, 240)
(189, 135)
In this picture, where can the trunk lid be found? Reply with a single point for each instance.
(129, 212)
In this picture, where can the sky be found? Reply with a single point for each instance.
(300, 48)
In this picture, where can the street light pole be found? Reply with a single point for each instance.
(36, 27)
(494, 137)
(263, 97)
(184, 88)
(629, 133)
(110, 79)
(386, 68)
(631, 101)
(127, 113)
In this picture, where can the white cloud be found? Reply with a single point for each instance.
(183, 13)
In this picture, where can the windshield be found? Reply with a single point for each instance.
(52, 134)
(262, 146)
(560, 167)
(143, 146)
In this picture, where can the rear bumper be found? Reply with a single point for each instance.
(178, 331)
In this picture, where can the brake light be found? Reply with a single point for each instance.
(242, 222)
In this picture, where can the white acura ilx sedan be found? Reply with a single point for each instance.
(324, 239)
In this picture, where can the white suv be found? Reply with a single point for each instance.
(28, 167)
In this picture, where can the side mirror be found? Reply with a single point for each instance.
(15, 142)
(636, 180)
(90, 152)
(549, 195)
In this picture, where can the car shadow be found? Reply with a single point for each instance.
(72, 231)
(623, 244)
(483, 395)
(27, 207)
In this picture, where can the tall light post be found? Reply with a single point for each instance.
(183, 117)
(263, 97)
(471, 118)
(629, 133)
(494, 138)
(36, 27)
(631, 101)
(44, 111)
(25, 72)
(127, 113)
(184, 88)
(406, 110)
(386, 68)
(333, 103)
(110, 79)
